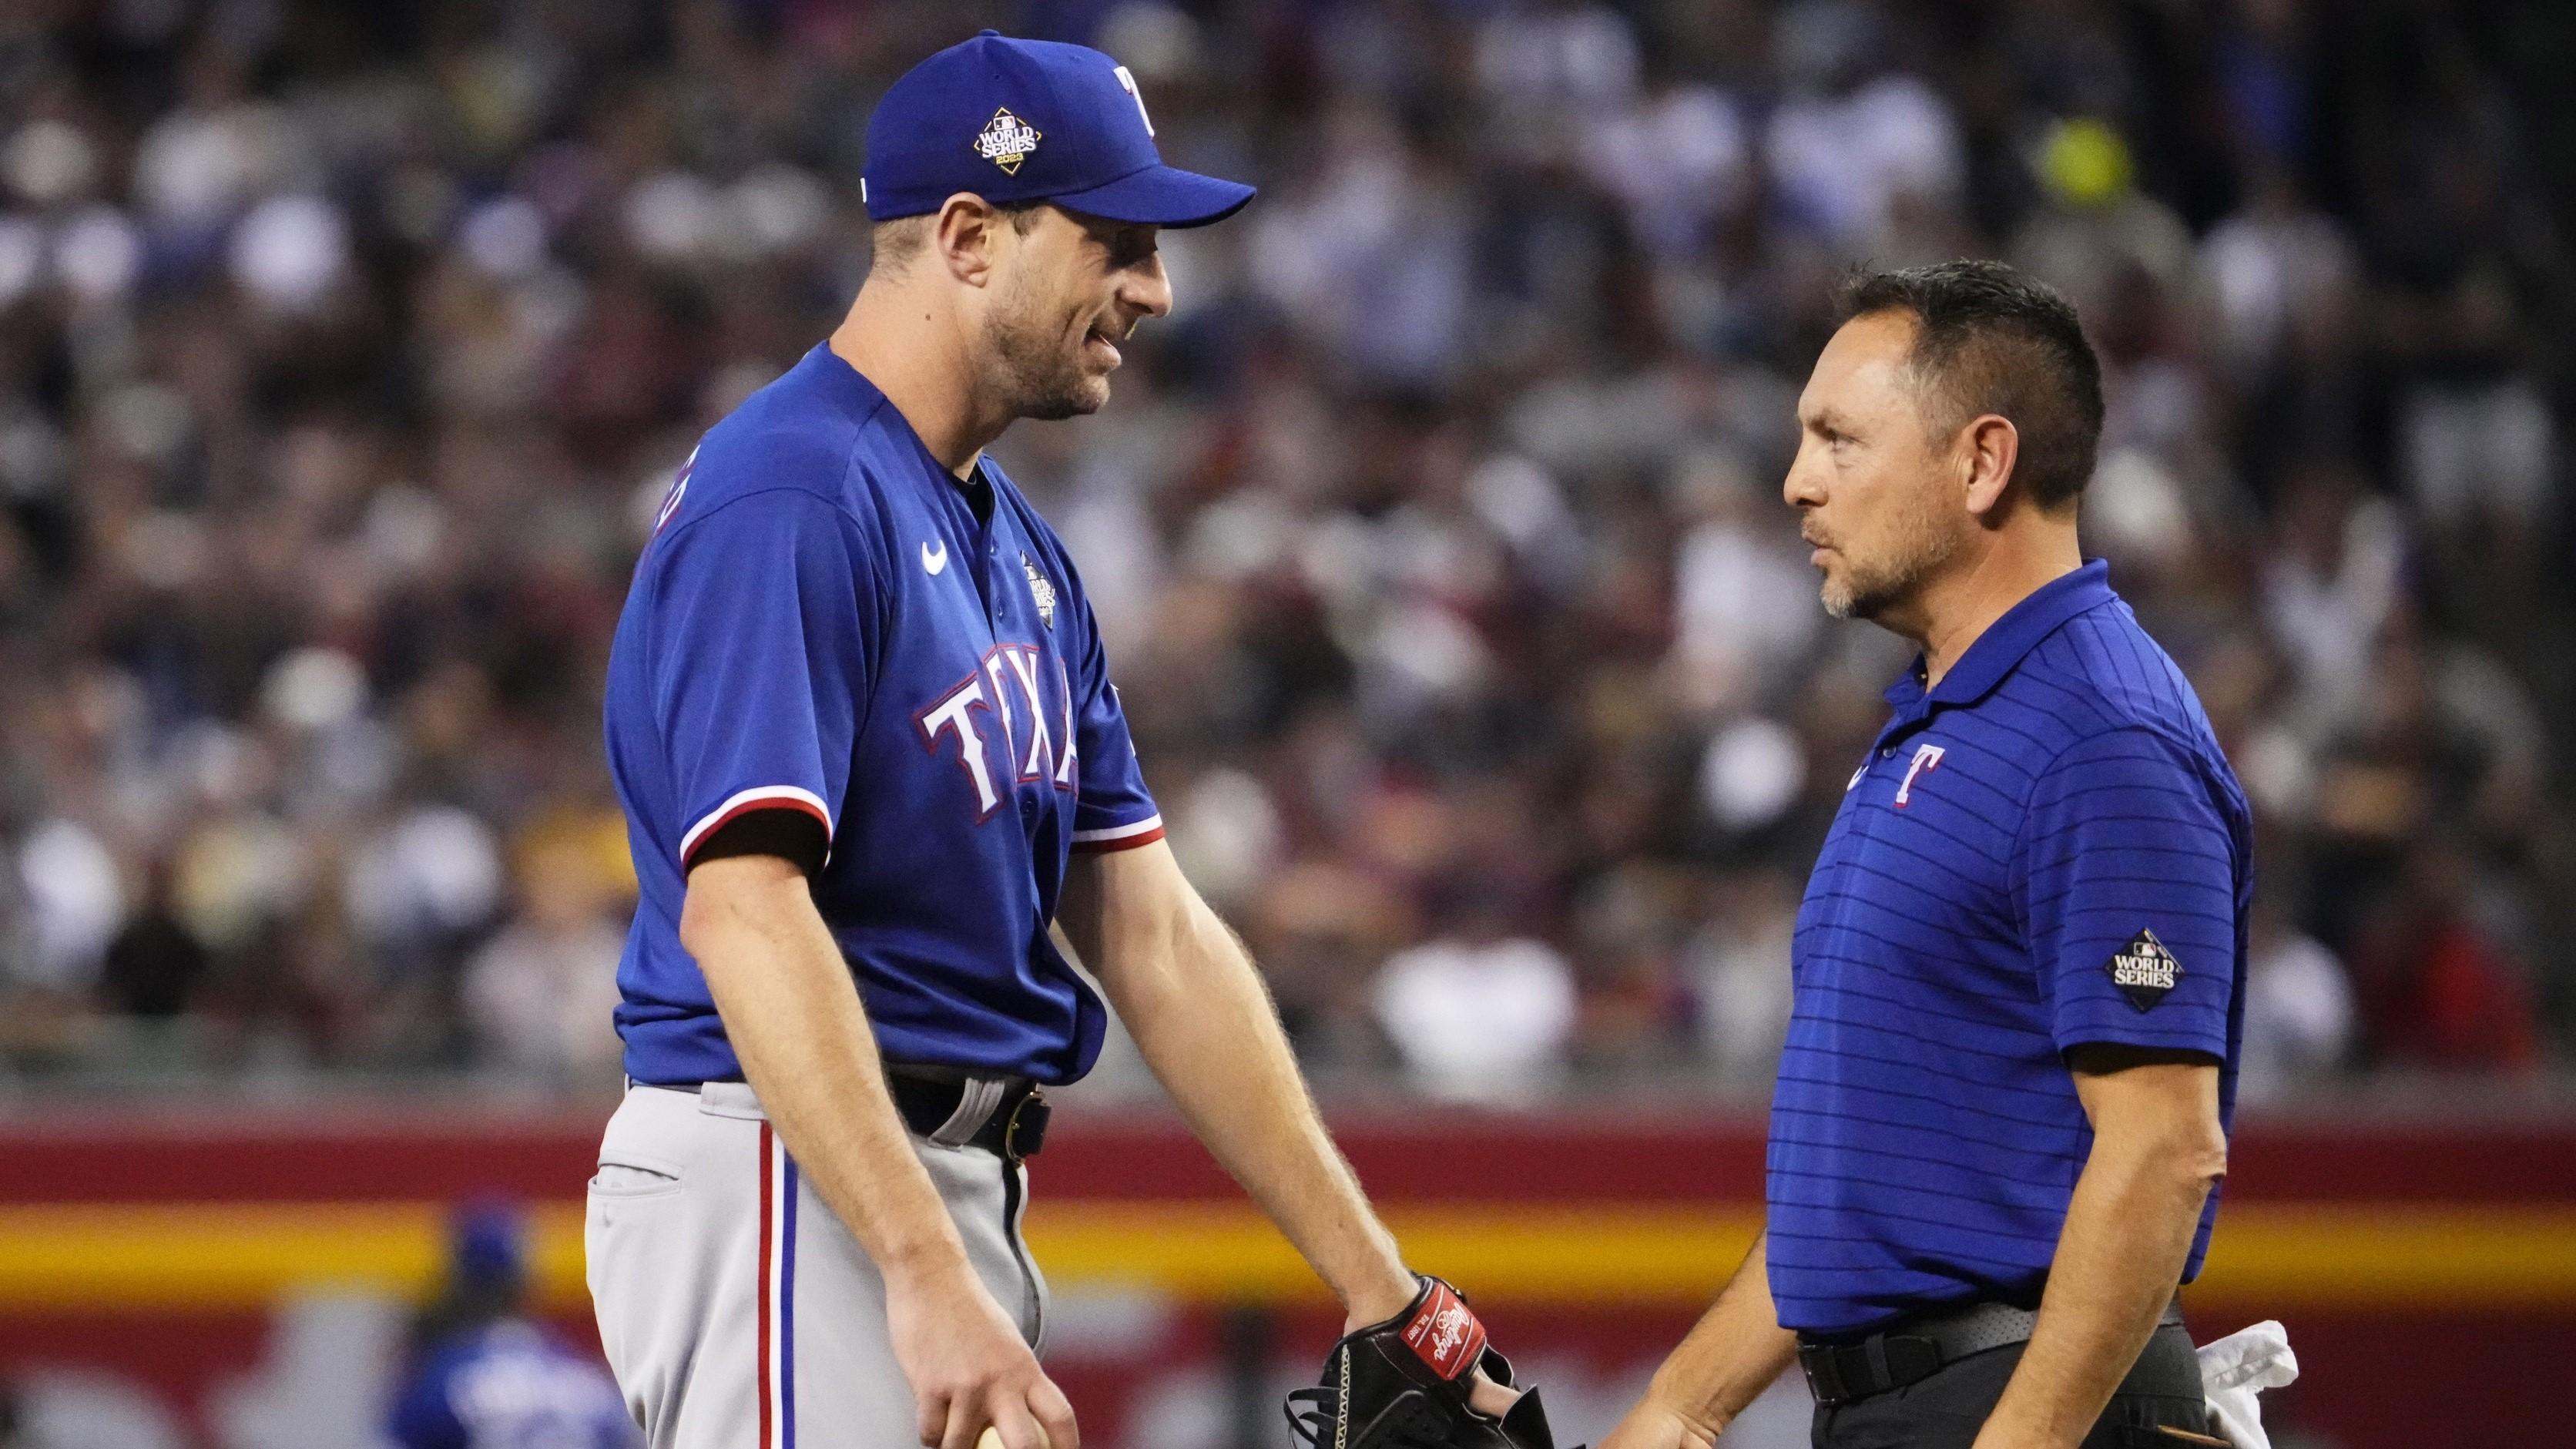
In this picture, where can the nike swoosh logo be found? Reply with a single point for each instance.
(935, 560)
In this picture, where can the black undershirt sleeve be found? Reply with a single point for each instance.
(791, 834)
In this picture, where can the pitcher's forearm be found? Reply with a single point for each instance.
(793, 1015)
(1206, 1026)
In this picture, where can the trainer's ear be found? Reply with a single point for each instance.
(965, 235)
(1988, 447)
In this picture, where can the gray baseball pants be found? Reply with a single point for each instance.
(736, 1309)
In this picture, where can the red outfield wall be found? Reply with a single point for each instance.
(2427, 1272)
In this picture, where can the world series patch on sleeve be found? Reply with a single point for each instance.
(2144, 970)
(1404, 1384)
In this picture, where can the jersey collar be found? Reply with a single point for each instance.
(861, 396)
(866, 400)
(2007, 639)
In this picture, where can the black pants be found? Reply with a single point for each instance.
(2158, 1406)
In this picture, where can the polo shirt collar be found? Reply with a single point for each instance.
(2007, 639)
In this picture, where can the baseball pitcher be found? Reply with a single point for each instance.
(868, 750)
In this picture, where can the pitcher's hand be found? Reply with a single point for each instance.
(969, 1367)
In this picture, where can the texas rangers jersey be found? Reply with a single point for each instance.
(827, 621)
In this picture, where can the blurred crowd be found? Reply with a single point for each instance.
(344, 351)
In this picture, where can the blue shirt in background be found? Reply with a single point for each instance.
(2045, 851)
(508, 1385)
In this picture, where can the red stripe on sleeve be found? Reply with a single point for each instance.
(1124, 842)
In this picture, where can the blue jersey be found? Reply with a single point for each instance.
(2044, 852)
(826, 623)
(509, 1386)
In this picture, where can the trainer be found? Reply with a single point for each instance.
(864, 734)
(2002, 1108)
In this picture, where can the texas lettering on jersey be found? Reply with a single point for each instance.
(1009, 691)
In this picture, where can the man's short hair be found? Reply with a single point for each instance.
(1991, 340)
(893, 244)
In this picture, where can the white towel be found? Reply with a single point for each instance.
(2236, 1368)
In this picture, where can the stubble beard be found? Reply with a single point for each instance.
(1033, 372)
(1868, 591)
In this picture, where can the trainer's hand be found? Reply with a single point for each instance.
(1652, 1426)
(1490, 1399)
(968, 1366)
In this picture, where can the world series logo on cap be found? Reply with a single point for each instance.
(1006, 140)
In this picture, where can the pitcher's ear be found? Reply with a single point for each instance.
(964, 236)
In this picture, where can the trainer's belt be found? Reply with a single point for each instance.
(1916, 1349)
(1004, 1115)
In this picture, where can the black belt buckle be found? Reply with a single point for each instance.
(1845, 1373)
(1824, 1382)
(1025, 1133)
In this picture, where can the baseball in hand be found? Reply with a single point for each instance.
(991, 1438)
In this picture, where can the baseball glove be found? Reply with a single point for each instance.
(1402, 1384)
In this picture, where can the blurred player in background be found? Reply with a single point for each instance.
(2003, 1104)
(483, 1375)
(863, 731)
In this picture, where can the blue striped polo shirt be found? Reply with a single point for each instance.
(2046, 850)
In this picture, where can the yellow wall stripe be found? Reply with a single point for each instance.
(2267, 1256)
(2263, 1254)
(234, 1256)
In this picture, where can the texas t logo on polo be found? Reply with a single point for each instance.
(1006, 140)
(2144, 970)
(1927, 757)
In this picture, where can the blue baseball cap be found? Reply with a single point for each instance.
(1029, 120)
